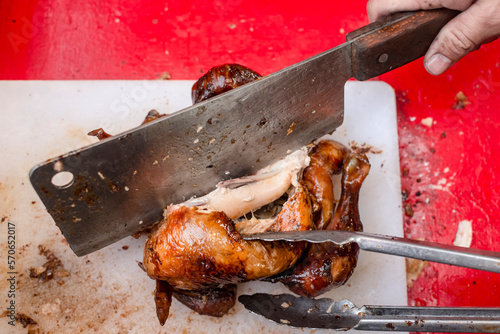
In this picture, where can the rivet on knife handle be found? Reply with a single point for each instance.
(395, 41)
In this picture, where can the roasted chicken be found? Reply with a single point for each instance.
(197, 254)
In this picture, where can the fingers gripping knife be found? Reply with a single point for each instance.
(121, 184)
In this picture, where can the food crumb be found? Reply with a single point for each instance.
(413, 270)
(152, 115)
(165, 76)
(63, 273)
(125, 247)
(464, 234)
(46, 272)
(284, 321)
(404, 194)
(428, 121)
(460, 101)
(52, 308)
(99, 133)
(409, 210)
(290, 129)
(285, 305)
(363, 148)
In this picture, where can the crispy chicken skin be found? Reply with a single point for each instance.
(327, 159)
(220, 79)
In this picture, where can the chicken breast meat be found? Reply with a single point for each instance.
(197, 254)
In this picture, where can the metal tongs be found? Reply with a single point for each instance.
(344, 315)
(415, 249)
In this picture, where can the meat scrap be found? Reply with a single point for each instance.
(99, 133)
(197, 254)
(221, 79)
(152, 115)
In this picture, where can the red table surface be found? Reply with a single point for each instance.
(449, 170)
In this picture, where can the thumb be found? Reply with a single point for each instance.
(463, 34)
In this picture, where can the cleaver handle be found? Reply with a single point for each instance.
(395, 41)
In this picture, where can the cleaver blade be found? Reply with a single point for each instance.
(120, 185)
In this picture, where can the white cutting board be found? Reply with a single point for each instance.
(106, 291)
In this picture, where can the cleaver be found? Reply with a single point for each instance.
(109, 190)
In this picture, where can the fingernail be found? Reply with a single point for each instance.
(438, 64)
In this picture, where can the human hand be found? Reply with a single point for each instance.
(479, 23)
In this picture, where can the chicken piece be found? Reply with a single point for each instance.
(221, 79)
(198, 248)
(327, 159)
(200, 253)
(214, 302)
(327, 265)
(163, 300)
